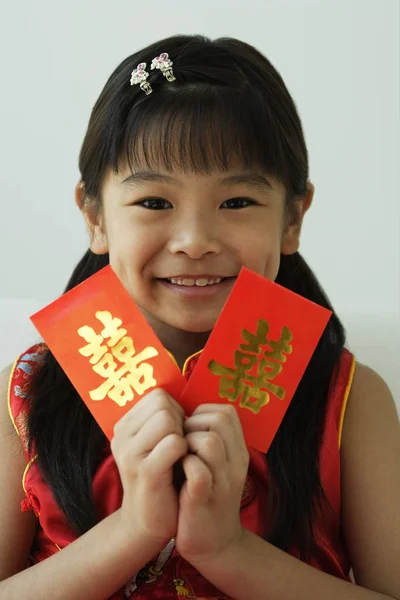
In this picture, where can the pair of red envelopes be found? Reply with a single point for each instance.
(254, 359)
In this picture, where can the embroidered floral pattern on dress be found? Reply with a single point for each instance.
(22, 425)
(27, 365)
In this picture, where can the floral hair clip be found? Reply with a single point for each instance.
(164, 63)
(140, 75)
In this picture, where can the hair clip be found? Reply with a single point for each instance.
(140, 75)
(164, 63)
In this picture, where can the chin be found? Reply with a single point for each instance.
(193, 325)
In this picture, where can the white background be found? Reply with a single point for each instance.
(340, 61)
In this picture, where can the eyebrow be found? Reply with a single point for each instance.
(250, 179)
(146, 177)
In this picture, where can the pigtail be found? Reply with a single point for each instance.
(69, 443)
(293, 458)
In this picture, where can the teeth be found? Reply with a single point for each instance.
(202, 282)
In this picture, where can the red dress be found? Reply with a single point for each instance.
(169, 575)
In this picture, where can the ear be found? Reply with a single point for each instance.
(291, 235)
(93, 216)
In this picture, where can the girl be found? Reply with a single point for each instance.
(190, 171)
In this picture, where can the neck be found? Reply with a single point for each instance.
(181, 344)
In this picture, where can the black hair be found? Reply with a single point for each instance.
(228, 105)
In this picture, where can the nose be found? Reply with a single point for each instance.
(194, 237)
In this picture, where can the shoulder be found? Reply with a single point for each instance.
(370, 457)
(369, 398)
(364, 377)
(5, 378)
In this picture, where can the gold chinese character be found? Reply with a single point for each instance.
(111, 327)
(255, 341)
(281, 346)
(95, 347)
(252, 384)
(135, 375)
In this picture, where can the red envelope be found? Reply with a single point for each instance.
(106, 347)
(256, 355)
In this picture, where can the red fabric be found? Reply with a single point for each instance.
(168, 575)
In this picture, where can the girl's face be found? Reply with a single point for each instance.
(177, 241)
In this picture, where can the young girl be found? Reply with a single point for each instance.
(190, 171)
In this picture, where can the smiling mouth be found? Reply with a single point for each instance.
(198, 282)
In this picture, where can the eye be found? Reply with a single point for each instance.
(154, 203)
(236, 203)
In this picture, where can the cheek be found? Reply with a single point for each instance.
(261, 253)
(132, 252)
(127, 240)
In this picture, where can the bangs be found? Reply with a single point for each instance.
(201, 129)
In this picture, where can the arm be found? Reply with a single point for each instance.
(93, 567)
(146, 444)
(256, 569)
(249, 567)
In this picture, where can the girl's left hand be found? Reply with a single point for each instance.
(216, 468)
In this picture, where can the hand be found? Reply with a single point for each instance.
(147, 442)
(216, 469)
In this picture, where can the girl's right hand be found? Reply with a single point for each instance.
(147, 442)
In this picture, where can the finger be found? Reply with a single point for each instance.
(159, 426)
(227, 409)
(161, 459)
(199, 482)
(209, 446)
(147, 406)
(222, 419)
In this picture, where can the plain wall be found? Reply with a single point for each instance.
(340, 61)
